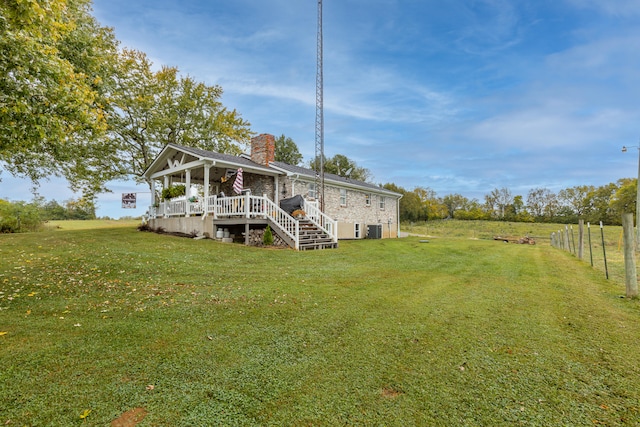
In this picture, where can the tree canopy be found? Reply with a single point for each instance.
(54, 71)
(343, 166)
(287, 151)
(73, 105)
(151, 109)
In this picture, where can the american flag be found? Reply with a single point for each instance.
(237, 184)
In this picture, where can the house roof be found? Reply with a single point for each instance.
(333, 178)
(172, 152)
(274, 168)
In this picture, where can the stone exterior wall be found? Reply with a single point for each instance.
(259, 185)
(355, 211)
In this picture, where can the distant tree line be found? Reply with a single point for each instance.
(592, 204)
(20, 216)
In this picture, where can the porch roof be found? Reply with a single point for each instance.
(175, 158)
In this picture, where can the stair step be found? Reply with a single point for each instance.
(310, 237)
(331, 245)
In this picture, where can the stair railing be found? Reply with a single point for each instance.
(322, 221)
(285, 222)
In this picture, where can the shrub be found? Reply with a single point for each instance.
(267, 238)
(173, 191)
(18, 217)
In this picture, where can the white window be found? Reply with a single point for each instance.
(343, 197)
(312, 190)
(382, 202)
(367, 199)
(356, 231)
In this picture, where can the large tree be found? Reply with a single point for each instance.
(497, 201)
(542, 203)
(455, 202)
(287, 151)
(153, 108)
(577, 198)
(411, 207)
(54, 71)
(343, 166)
(624, 198)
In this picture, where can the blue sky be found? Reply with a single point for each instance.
(461, 96)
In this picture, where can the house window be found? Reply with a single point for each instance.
(382, 202)
(343, 197)
(356, 231)
(367, 199)
(312, 190)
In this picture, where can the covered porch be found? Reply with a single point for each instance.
(207, 214)
(211, 181)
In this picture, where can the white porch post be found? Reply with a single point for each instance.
(153, 192)
(166, 205)
(187, 193)
(276, 199)
(152, 209)
(205, 203)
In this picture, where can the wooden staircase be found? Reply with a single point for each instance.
(311, 237)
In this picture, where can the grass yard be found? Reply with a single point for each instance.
(66, 225)
(106, 324)
(613, 246)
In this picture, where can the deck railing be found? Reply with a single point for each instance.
(322, 221)
(247, 206)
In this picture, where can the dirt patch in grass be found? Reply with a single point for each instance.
(390, 392)
(130, 418)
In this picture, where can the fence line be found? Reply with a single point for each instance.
(605, 252)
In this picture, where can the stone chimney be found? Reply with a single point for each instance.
(263, 149)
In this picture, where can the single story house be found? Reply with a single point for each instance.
(238, 194)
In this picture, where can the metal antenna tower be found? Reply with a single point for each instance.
(319, 163)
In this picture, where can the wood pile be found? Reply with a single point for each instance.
(256, 236)
(519, 240)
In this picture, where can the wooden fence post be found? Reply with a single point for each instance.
(631, 280)
(604, 251)
(589, 236)
(573, 241)
(581, 239)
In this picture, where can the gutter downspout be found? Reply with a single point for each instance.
(398, 213)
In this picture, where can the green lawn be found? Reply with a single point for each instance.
(93, 224)
(454, 332)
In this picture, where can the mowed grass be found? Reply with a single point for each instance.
(593, 250)
(454, 332)
(92, 224)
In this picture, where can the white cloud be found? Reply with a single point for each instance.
(617, 8)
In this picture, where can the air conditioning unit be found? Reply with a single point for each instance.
(374, 231)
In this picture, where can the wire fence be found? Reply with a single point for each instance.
(600, 246)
